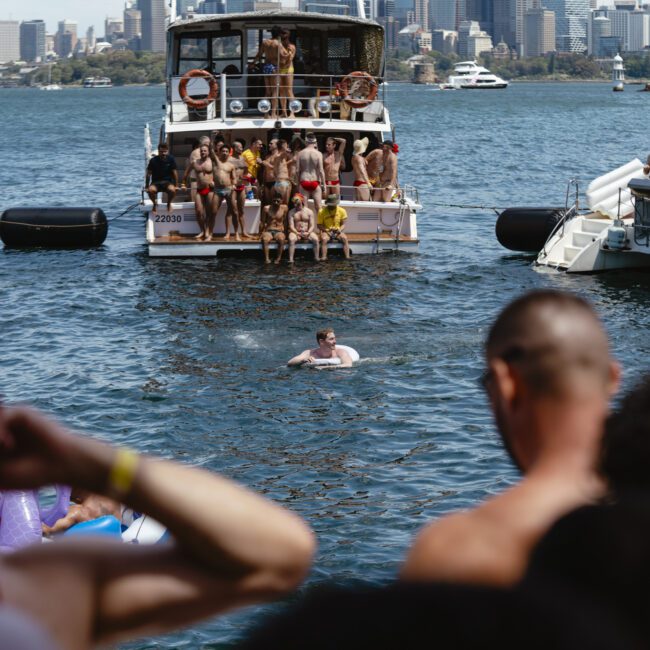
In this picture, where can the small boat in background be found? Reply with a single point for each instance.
(49, 85)
(97, 82)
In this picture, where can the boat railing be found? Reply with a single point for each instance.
(406, 195)
(310, 96)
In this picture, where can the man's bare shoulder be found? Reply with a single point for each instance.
(479, 546)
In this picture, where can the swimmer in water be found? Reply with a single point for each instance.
(326, 349)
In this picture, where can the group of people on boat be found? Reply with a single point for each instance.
(287, 175)
(557, 560)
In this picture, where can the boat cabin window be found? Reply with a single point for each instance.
(339, 54)
(218, 52)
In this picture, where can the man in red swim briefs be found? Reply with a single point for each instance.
(203, 169)
(310, 171)
(334, 149)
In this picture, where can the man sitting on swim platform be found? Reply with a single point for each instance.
(326, 349)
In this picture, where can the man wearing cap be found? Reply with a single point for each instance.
(331, 222)
(361, 181)
(301, 226)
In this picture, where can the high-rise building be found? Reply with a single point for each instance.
(465, 30)
(91, 39)
(444, 40)
(213, 7)
(639, 31)
(65, 39)
(422, 14)
(539, 32)
(132, 23)
(502, 23)
(570, 24)
(442, 14)
(620, 19)
(599, 26)
(9, 41)
(153, 25)
(32, 40)
(483, 12)
(113, 27)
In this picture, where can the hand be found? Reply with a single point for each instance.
(32, 449)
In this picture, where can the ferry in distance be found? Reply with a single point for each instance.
(468, 75)
(97, 82)
(216, 85)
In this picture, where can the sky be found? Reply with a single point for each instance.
(84, 12)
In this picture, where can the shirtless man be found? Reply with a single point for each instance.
(287, 55)
(269, 173)
(253, 161)
(326, 349)
(549, 379)
(361, 181)
(310, 171)
(271, 50)
(282, 170)
(388, 177)
(374, 166)
(87, 506)
(189, 171)
(238, 196)
(204, 196)
(334, 148)
(273, 227)
(224, 182)
(302, 226)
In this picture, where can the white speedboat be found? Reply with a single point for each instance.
(213, 86)
(468, 75)
(614, 234)
(97, 82)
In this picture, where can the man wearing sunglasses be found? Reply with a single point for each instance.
(549, 379)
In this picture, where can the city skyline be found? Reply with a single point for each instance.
(90, 12)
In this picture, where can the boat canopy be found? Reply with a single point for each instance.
(325, 43)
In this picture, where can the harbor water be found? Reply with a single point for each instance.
(185, 358)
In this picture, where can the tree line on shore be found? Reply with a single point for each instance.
(123, 67)
(128, 67)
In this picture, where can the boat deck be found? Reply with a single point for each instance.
(186, 245)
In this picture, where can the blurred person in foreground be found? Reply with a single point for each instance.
(231, 547)
(549, 379)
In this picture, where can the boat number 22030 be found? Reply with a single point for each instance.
(169, 218)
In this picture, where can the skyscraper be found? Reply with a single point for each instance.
(153, 25)
(422, 14)
(65, 39)
(9, 41)
(442, 14)
(539, 32)
(639, 31)
(570, 24)
(32, 40)
(502, 23)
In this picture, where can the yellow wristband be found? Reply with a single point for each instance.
(123, 471)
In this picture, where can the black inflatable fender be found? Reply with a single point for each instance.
(526, 229)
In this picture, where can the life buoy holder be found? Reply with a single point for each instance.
(358, 83)
(198, 103)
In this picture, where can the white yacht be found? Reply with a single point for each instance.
(214, 85)
(97, 82)
(468, 75)
(614, 234)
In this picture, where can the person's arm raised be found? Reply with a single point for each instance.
(231, 547)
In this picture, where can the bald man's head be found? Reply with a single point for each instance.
(556, 341)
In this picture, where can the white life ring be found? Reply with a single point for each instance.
(336, 361)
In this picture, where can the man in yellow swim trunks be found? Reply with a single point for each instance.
(331, 222)
(287, 53)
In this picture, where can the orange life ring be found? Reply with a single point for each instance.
(363, 87)
(198, 103)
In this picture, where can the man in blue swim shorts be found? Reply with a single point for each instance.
(271, 50)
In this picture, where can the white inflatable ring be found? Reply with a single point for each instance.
(335, 361)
